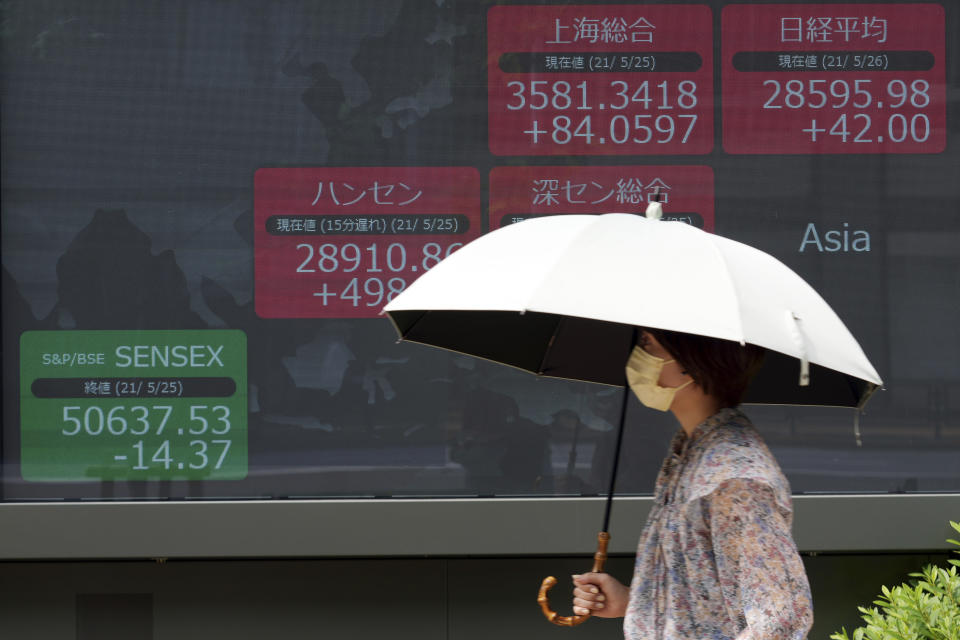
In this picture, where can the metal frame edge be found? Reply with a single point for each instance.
(429, 527)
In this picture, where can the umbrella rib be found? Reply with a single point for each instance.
(560, 254)
(733, 289)
(546, 351)
(404, 334)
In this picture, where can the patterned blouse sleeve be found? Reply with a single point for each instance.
(764, 584)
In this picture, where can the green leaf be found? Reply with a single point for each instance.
(926, 609)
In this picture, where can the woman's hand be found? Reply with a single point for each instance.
(599, 594)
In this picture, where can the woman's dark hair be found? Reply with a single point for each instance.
(722, 368)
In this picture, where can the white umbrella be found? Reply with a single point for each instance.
(559, 296)
(562, 296)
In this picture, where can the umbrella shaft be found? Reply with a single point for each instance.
(616, 448)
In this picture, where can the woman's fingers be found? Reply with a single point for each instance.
(599, 594)
(582, 607)
(587, 596)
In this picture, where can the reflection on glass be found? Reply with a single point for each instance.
(131, 138)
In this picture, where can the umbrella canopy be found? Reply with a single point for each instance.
(560, 296)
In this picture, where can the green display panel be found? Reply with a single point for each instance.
(133, 405)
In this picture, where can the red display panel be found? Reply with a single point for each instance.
(517, 193)
(847, 78)
(342, 242)
(600, 80)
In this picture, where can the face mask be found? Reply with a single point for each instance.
(643, 373)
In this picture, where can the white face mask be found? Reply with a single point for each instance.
(643, 375)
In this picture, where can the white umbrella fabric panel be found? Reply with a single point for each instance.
(559, 296)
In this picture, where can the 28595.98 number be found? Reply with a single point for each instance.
(861, 93)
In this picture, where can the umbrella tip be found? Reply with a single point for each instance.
(654, 211)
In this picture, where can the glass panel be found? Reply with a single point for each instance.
(205, 206)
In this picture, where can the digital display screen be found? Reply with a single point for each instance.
(133, 405)
(821, 78)
(518, 193)
(600, 80)
(206, 205)
(341, 243)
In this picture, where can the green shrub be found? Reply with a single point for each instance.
(926, 609)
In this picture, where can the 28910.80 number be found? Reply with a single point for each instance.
(349, 257)
(385, 270)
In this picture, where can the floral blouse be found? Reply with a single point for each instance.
(716, 559)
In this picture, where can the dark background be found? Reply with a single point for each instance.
(131, 131)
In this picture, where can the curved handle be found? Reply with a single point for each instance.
(599, 559)
(563, 621)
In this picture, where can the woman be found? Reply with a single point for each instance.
(716, 559)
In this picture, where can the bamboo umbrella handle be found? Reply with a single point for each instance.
(599, 559)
